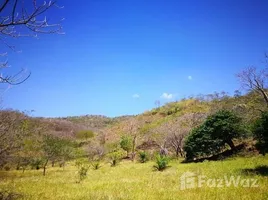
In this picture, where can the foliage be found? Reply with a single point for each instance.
(36, 163)
(260, 131)
(85, 134)
(95, 165)
(19, 137)
(126, 143)
(161, 162)
(143, 156)
(55, 149)
(82, 166)
(116, 156)
(211, 137)
(7, 195)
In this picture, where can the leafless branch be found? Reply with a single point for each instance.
(24, 21)
(253, 80)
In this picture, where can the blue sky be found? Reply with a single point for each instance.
(119, 56)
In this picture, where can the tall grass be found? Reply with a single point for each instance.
(138, 181)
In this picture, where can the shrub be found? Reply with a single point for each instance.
(83, 167)
(161, 162)
(82, 173)
(95, 165)
(143, 157)
(116, 156)
(126, 143)
(85, 134)
(7, 195)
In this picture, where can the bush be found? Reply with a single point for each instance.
(7, 195)
(161, 162)
(95, 165)
(83, 167)
(126, 143)
(116, 156)
(143, 157)
(85, 134)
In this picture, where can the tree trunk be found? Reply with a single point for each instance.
(231, 144)
(177, 152)
(44, 168)
(265, 96)
(133, 148)
(18, 166)
(182, 153)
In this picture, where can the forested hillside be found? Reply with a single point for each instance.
(163, 127)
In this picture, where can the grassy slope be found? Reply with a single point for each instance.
(150, 120)
(136, 181)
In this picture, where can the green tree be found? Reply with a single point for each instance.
(211, 137)
(126, 143)
(260, 131)
(55, 149)
(116, 156)
(85, 134)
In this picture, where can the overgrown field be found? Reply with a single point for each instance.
(139, 181)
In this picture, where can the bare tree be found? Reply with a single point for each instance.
(255, 80)
(19, 18)
(171, 134)
(15, 129)
(10, 134)
(133, 129)
(176, 140)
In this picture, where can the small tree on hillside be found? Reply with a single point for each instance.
(171, 134)
(17, 132)
(55, 149)
(116, 156)
(133, 129)
(211, 137)
(260, 131)
(126, 143)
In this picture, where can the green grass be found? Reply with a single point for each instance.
(138, 181)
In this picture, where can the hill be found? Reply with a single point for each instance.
(153, 129)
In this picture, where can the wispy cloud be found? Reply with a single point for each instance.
(135, 96)
(167, 96)
(190, 78)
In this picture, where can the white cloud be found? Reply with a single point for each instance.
(167, 96)
(190, 77)
(135, 96)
